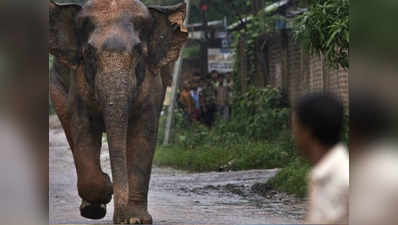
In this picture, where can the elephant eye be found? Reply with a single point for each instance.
(144, 35)
(140, 73)
(89, 50)
(144, 26)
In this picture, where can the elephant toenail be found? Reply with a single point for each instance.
(135, 221)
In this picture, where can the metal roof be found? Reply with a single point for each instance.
(272, 7)
(216, 23)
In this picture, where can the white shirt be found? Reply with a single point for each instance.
(374, 189)
(329, 188)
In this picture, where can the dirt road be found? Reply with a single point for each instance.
(175, 197)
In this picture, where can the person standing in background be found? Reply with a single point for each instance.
(214, 78)
(186, 101)
(195, 95)
(230, 85)
(222, 98)
(208, 104)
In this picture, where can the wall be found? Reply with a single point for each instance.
(293, 70)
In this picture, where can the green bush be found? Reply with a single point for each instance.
(292, 179)
(259, 114)
(262, 156)
(191, 51)
(212, 158)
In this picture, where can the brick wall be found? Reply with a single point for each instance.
(300, 73)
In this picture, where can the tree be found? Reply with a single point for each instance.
(324, 29)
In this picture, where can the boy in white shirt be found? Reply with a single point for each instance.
(317, 128)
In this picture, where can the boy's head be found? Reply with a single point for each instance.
(317, 121)
(370, 119)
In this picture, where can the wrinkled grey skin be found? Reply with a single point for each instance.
(112, 62)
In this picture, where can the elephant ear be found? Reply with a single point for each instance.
(63, 39)
(169, 33)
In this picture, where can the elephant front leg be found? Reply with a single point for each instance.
(141, 148)
(94, 186)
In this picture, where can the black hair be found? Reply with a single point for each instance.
(369, 117)
(196, 74)
(323, 114)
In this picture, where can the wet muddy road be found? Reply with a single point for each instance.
(176, 197)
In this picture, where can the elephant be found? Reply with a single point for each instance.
(112, 61)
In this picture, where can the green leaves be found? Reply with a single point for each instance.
(259, 114)
(324, 29)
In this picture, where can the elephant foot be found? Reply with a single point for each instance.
(133, 216)
(96, 190)
(92, 211)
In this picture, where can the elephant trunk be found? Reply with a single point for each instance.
(115, 94)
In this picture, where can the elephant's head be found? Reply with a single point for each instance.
(116, 43)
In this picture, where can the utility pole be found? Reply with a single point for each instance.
(258, 5)
(203, 43)
(174, 86)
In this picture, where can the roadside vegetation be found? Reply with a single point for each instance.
(256, 137)
(292, 179)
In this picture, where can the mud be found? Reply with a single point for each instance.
(177, 197)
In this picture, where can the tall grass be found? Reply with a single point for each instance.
(260, 155)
